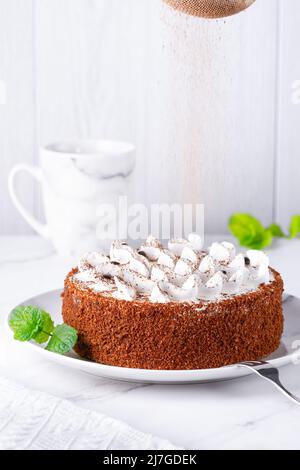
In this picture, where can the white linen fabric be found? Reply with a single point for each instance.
(31, 420)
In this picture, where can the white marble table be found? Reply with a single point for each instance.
(242, 414)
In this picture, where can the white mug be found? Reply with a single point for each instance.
(76, 178)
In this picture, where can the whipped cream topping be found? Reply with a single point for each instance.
(183, 272)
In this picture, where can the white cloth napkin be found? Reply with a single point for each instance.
(33, 420)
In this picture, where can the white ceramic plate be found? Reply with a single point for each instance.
(51, 302)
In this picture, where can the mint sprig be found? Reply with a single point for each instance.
(63, 339)
(276, 231)
(47, 328)
(295, 226)
(32, 323)
(251, 233)
(26, 323)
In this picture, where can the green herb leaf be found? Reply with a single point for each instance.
(63, 339)
(32, 323)
(295, 226)
(276, 231)
(25, 322)
(249, 231)
(244, 225)
(260, 241)
(46, 328)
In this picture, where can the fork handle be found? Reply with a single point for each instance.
(271, 374)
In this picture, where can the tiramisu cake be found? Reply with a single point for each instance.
(179, 307)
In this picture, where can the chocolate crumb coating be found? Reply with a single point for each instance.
(175, 336)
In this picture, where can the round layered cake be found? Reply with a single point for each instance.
(175, 307)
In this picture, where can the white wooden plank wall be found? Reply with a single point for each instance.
(208, 104)
(213, 99)
(288, 136)
(17, 131)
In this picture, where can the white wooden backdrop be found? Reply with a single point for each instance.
(208, 103)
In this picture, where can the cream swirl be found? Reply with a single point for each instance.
(124, 292)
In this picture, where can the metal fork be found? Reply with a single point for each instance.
(268, 372)
(271, 374)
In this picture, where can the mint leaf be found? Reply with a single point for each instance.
(245, 226)
(276, 231)
(25, 322)
(63, 339)
(32, 323)
(46, 328)
(249, 231)
(295, 226)
(260, 241)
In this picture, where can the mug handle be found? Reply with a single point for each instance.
(38, 175)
